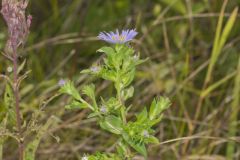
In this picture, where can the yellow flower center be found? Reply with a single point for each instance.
(122, 38)
(114, 38)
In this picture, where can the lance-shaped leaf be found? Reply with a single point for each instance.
(142, 116)
(128, 93)
(8, 106)
(122, 149)
(158, 106)
(138, 146)
(152, 139)
(89, 91)
(69, 88)
(107, 50)
(112, 124)
(76, 105)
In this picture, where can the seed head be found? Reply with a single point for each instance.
(18, 23)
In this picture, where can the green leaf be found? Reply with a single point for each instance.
(107, 50)
(124, 50)
(8, 97)
(86, 71)
(156, 120)
(128, 93)
(76, 105)
(113, 59)
(89, 90)
(21, 66)
(94, 70)
(108, 75)
(95, 114)
(152, 139)
(128, 77)
(139, 147)
(112, 124)
(141, 61)
(9, 105)
(158, 106)
(122, 149)
(112, 104)
(143, 116)
(70, 89)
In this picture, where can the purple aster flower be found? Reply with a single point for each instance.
(117, 38)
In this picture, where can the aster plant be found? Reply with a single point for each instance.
(119, 67)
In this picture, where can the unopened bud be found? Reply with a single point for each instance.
(61, 82)
(103, 109)
(145, 133)
(95, 69)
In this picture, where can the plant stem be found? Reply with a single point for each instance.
(17, 101)
(1, 151)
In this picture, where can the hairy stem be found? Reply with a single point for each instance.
(120, 99)
(17, 107)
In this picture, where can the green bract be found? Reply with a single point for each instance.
(118, 66)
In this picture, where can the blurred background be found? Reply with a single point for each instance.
(177, 36)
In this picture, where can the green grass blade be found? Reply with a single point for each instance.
(233, 117)
(216, 49)
(228, 28)
(217, 84)
(226, 31)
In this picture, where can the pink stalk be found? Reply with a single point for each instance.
(18, 23)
